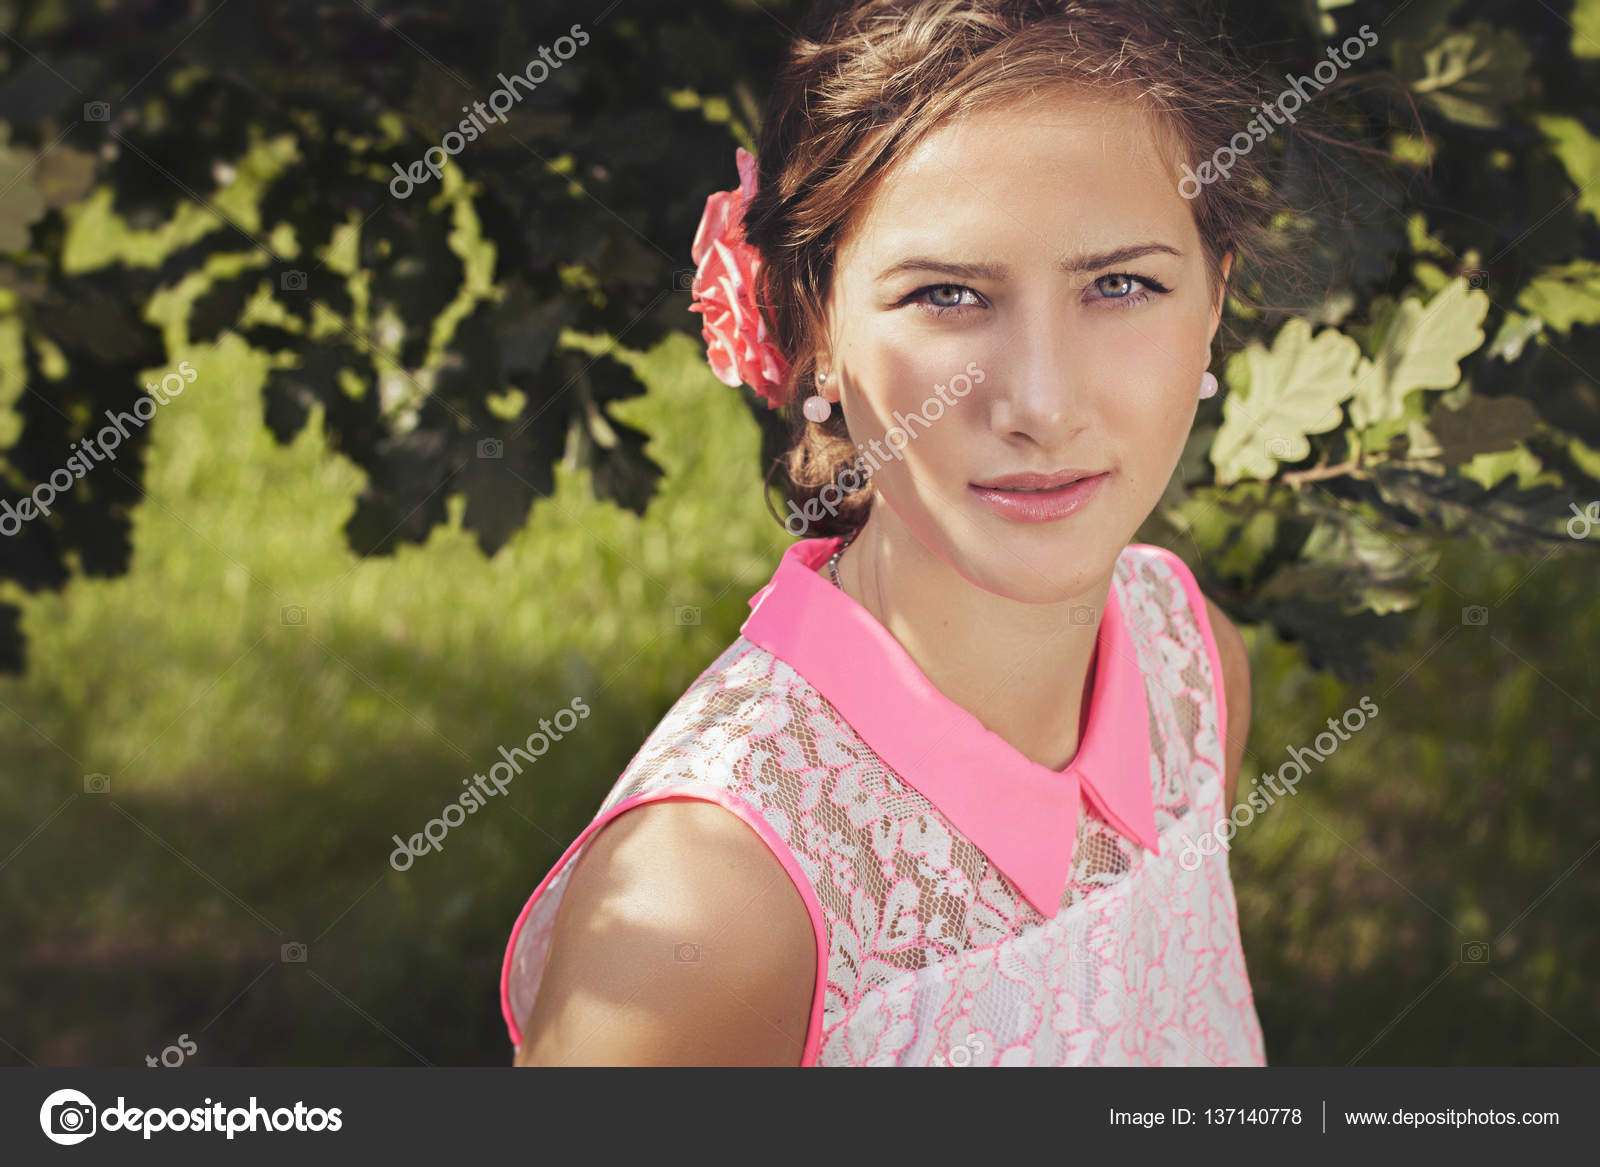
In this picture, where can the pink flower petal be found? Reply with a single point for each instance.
(739, 346)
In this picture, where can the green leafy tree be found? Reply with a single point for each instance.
(267, 158)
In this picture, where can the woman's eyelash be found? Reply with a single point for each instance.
(1149, 289)
(941, 309)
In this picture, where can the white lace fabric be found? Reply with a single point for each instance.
(927, 953)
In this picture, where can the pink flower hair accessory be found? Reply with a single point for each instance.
(739, 348)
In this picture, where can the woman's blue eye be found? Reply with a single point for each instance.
(1121, 288)
(1124, 289)
(943, 304)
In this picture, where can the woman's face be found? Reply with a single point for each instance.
(1031, 282)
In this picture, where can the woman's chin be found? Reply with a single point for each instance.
(1052, 574)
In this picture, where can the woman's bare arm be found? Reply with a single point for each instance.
(680, 941)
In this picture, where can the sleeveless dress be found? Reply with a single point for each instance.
(970, 906)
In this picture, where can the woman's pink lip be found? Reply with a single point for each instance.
(1033, 480)
(1040, 506)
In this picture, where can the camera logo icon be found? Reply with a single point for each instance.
(67, 1117)
(686, 952)
(293, 953)
(97, 111)
(881, 113)
(1475, 952)
(1476, 277)
(686, 614)
(292, 616)
(1475, 615)
(683, 279)
(292, 281)
(1083, 614)
(491, 448)
(1280, 449)
(97, 783)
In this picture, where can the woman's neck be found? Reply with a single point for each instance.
(1019, 668)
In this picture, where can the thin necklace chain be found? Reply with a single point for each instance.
(833, 563)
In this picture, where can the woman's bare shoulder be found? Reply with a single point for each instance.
(681, 940)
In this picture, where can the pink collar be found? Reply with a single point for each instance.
(1022, 815)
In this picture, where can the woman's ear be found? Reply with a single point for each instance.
(823, 363)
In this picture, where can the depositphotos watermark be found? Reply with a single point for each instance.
(1267, 119)
(175, 1054)
(898, 437)
(1259, 801)
(1584, 521)
(481, 789)
(500, 102)
(69, 1117)
(102, 448)
(971, 1048)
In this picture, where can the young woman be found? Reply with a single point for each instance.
(940, 802)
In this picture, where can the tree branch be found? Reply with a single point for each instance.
(1319, 473)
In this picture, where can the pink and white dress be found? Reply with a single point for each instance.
(970, 906)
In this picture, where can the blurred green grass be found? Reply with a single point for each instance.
(1464, 814)
(259, 768)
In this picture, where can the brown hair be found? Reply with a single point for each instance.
(867, 79)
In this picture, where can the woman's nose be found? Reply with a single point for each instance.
(1038, 393)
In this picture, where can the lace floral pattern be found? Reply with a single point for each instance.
(933, 956)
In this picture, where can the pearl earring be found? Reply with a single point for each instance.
(1208, 384)
(817, 407)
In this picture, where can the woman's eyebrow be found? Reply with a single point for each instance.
(997, 271)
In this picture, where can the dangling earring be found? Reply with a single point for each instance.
(1208, 384)
(817, 407)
